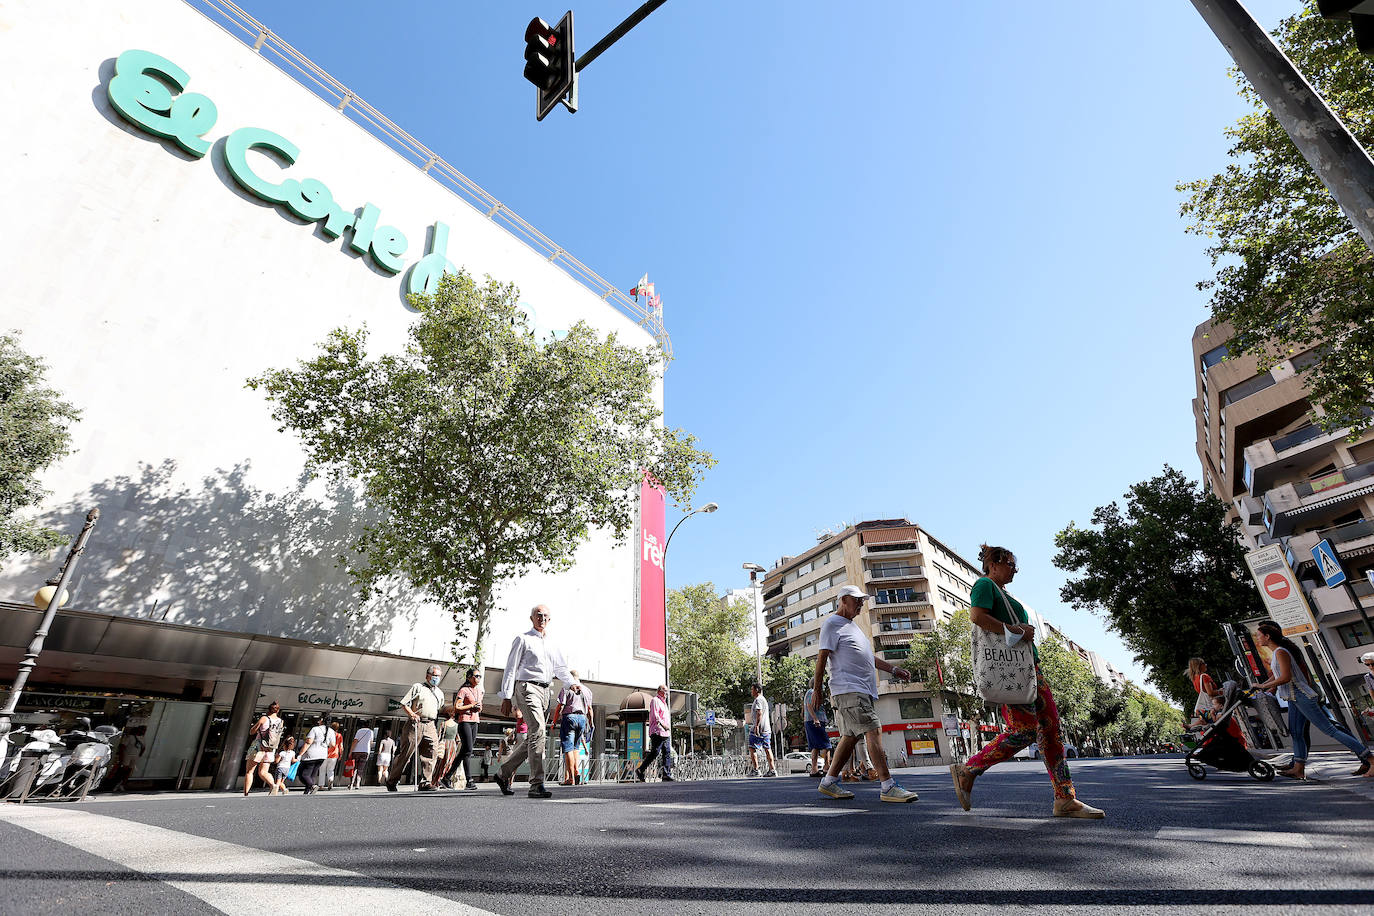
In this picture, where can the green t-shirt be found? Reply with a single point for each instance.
(986, 596)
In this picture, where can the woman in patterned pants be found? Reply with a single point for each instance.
(997, 612)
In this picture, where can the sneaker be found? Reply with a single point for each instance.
(834, 790)
(425, 787)
(771, 773)
(503, 785)
(898, 795)
(540, 792)
(472, 786)
(752, 773)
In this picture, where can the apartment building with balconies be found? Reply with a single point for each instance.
(913, 580)
(1287, 481)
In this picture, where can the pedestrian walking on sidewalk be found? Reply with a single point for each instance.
(997, 612)
(1290, 675)
(760, 733)
(331, 758)
(360, 751)
(314, 752)
(854, 686)
(285, 757)
(386, 750)
(263, 749)
(448, 746)
(468, 703)
(815, 724)
(534, 661)
(573, 716)
(660, 735)
(418, 735)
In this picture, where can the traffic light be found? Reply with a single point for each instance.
(550, 64)
(1361, 16)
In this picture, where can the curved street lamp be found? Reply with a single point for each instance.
(708, 509)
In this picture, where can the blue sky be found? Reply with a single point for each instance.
(916, 259)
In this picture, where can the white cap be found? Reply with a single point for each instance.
(853, 591)
(1367, 658)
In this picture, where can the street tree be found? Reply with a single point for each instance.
(1072, 682)
(704, 642)
(35, 431)
(942, 658)
(1291, 271)
(1166, 572)
(485, 451)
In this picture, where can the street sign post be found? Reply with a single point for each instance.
(1327, 563)
(951, 724)
(1279, 589)
(710, 718)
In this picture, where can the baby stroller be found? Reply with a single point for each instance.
(1219, 748)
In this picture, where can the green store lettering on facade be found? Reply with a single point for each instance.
(140, 92)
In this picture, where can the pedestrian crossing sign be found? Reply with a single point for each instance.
(1327, 564)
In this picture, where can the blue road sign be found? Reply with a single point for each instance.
(1327, 564)
(710, 718)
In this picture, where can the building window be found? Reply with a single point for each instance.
(896, 654)
(897, 596)
(1354, 634)
(793, 623)
(898, 623)
(915, 708)
(1246, 388)
(810, 640)
(900, 545)
(1212, 357)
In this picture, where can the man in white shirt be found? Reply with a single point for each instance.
(854, 688)
(760, 733)
(533, 663)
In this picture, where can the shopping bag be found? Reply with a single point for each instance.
(1002, 673)
(291, 773)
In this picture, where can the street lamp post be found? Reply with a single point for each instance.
(667, 681)
(49, 598)
(754, 569)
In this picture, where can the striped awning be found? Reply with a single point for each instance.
(1321, 504)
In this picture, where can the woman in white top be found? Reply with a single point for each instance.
(1291, 678)
(384, 752)
(313, 754)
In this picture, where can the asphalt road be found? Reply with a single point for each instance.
(1169, 844)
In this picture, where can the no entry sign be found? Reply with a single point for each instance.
(1283, 599)
(1276, 586)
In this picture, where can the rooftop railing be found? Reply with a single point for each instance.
(1337, 478)
(310, 75)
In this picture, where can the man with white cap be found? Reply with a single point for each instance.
(854, 688)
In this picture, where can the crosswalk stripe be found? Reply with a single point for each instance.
(219, 873)
(816, 812)
(1235, 837)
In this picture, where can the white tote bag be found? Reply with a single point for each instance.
(1003, 673)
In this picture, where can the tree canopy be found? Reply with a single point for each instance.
(705, 643)
(35, 431)
(1291, 271)
(1166, 571)
(485, 451)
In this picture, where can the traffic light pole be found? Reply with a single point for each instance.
(1334, 154)
(618, 33)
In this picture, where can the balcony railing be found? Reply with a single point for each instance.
(1337, 478)
(1350, 531)
(898, 572)
(1298, 437)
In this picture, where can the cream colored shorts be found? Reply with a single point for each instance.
(854, 714)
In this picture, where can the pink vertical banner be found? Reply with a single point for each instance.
(651, 588)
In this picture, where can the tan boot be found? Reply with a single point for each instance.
(963, 784)
(1072, 807)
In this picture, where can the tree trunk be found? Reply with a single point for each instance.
(482, 617)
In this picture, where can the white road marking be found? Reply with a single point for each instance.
(219, 873)
(1234, 837)
(817, 812)
(994, 823)
(579, 801)
(677, 806)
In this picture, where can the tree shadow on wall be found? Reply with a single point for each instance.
(231, 556)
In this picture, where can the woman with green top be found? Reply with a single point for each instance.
(997, 612)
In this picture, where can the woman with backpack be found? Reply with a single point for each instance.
(1294, 682)
(263, 750)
